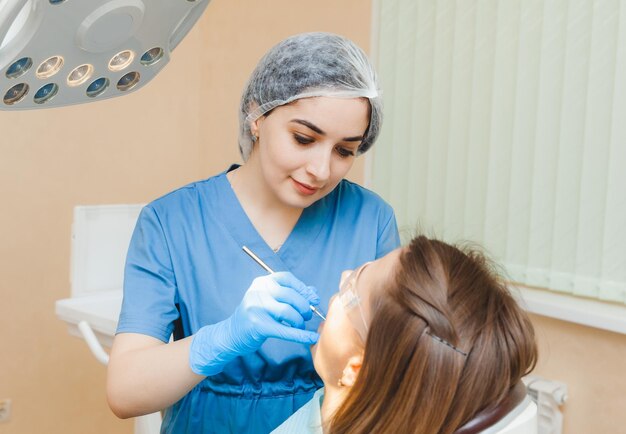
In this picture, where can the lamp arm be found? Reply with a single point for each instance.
(8, 13)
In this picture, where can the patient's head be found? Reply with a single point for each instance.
(420, 341)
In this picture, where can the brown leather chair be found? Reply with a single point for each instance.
(491, 416)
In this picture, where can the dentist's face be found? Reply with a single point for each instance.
(306, 148)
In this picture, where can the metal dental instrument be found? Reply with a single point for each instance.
(269, 270)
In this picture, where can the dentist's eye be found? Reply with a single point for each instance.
(345, 152)
(303, 140)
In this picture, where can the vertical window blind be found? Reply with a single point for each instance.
(505, 124)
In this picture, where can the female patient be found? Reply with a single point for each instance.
(418, 341)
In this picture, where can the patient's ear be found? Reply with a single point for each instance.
(351, 371)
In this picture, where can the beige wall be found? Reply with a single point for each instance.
(180, 127)
(592, 363)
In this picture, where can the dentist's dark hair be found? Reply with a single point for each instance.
(446, 341)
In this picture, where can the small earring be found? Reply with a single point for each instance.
(340, 383)
(255, 138)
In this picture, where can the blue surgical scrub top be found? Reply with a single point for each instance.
(185, 267)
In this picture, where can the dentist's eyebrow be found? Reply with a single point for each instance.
(319, 131)
(309, 125)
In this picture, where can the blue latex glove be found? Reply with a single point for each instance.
(274, 306)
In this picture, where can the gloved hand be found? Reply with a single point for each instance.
(274, 306)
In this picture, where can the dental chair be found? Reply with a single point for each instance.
(515, 414)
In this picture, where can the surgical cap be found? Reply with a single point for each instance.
(309, 65)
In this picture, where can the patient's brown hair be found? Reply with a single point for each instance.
(446, 341)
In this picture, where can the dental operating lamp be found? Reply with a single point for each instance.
(60, 52)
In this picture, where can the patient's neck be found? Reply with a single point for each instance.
(333, 398)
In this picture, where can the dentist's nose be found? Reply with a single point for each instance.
(319, 164)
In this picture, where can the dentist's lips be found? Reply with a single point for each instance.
(304, 189)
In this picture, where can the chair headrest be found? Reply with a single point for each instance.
(490, 416)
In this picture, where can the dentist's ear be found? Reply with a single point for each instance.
(254, 131)
(255, 126)
(351, 371)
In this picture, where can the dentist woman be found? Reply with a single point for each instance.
(239, 357)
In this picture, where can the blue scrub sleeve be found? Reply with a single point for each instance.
(149, 305)
(388, 239)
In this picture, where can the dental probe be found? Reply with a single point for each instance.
(269, 270)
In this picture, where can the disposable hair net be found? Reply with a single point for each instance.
(309, 65)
